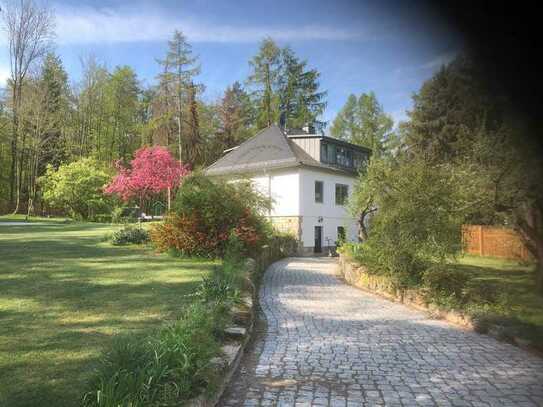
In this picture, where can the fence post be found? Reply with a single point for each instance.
(481, 241)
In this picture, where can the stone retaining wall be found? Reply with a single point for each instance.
(358, 276)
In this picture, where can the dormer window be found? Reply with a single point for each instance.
(342, 156)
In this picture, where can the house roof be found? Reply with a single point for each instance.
(268, 149)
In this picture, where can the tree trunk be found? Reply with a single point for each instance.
(362, 230)
(14, 141)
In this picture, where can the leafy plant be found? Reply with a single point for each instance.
(445, 285)
(130, 234)
(207, 213)
(166, 368)
(219, 289)
(152, 171)
(122, 214)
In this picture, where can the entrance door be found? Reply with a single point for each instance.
(318, 239)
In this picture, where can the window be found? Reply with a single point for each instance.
(319, 191)
(342, 156)
(331, 159)
(340, 235)
(324, 152)
(342, 193)
(358, 160)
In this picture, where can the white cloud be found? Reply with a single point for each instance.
(77, 25)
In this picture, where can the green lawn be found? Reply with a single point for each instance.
(513, 284)
(64, 295)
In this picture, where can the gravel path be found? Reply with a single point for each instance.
(330, 344)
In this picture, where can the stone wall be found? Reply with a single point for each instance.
(358, 276)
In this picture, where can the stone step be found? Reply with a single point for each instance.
(235, 331)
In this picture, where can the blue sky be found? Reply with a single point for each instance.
(387, 47)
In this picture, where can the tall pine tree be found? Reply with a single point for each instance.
(179, 68)
(362, 121)
(266, 69)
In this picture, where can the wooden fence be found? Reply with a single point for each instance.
(494, 242)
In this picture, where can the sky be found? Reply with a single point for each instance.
(388, 47)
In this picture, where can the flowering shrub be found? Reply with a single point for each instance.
(206, 213)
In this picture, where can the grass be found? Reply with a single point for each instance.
(32, 219)
(513, 284)
(65, 294)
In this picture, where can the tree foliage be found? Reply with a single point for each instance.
(152, 171)
(285, 92)
(45, 119)
(177, 87)
(415, 221)
(362, 121)
(236, 116)
(462, 119)
(29, 28)
(77, 186)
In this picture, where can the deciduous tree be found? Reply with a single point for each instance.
(152, 171)
(462, 119)
(30, 29)
(76, 187)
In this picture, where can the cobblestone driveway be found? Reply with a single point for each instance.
(330, 344)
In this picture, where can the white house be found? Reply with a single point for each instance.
(308, 178)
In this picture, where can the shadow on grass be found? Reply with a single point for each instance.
(64, 296)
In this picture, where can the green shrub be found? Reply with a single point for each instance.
(130, 234)
(445, 286)
(164, 369)
(206, 212)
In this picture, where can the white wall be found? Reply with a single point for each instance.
(333, 215)
(293, 192)
(283, 187)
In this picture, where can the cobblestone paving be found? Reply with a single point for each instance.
(330, 344)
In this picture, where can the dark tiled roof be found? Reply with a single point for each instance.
(268, 149)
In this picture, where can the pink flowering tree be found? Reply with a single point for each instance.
(152, 171)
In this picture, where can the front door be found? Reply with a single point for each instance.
(318, 239)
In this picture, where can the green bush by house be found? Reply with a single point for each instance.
(205, 214)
